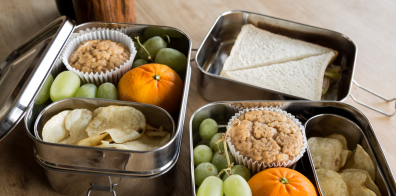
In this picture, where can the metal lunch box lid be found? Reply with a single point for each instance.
(24, 71)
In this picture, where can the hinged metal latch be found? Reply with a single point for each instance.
(102, 183)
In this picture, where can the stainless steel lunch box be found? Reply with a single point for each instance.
(217, 45)
(359, 131)
(74, 170)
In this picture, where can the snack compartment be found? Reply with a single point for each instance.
(105, 160)
(323, 125)
(217, 45)
(221, 112)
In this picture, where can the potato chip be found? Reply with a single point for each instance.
(345, 155)
(143, 143)
(108, 138)
(149, 127)
(148, 143)
(123, 123)
(361, 160)
(92, 141)
(151, 131)
(369, 183)
(355, 181)
(156, 133)
(340, 138)
(76, 122)
(327, 153)
(344, 143)
(54, 129)
(331, 183)
(97, 111)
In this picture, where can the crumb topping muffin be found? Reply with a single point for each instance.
(266, 136)
(99, 56)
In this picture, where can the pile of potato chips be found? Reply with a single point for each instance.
(340, 171)
(121, 127)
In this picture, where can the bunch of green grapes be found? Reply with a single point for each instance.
(211, 162)
(152, 47)
(67, 85)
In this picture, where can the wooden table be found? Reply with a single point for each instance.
(371, 24)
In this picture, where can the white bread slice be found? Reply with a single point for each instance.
(302, 78)
(255, 47)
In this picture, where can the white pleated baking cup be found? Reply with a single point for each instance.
(257, 166)
(112, 76)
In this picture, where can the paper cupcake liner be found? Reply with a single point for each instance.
(112, 76)
(257, 166)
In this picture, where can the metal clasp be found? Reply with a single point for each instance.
(370, 107)
(102, 183)
(89, 192)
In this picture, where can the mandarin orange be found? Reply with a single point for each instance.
(282, 182)
(154, 84)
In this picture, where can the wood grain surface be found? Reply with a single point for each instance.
(371, 24)
(105, 10)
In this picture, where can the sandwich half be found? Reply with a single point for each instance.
(255, 47)
(302, 78)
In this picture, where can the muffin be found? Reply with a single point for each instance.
(99, 55)
(266, 137)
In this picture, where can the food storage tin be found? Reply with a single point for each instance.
(217, 45)
(78, 170)
(352, 123)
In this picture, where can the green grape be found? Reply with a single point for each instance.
(64, 86)
(87, 90)
(213, 141)
(38, 108)
(172, 58)
(202, 154)
(207, 129)
(220, 160)
(211, 186)
(107, 91)
(199, 117)
(138, 63)
(153, 31)
(162, 32)
(239, 170)
(203, 171)
(173, 33)
(235, 185)
(44, 93)
(153, 45)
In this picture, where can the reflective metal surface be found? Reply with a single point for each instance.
(303, 110)
(217, 45)
(113, 162)
(24, 71)
(105, 160)
(77, 184)
(323, 125)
